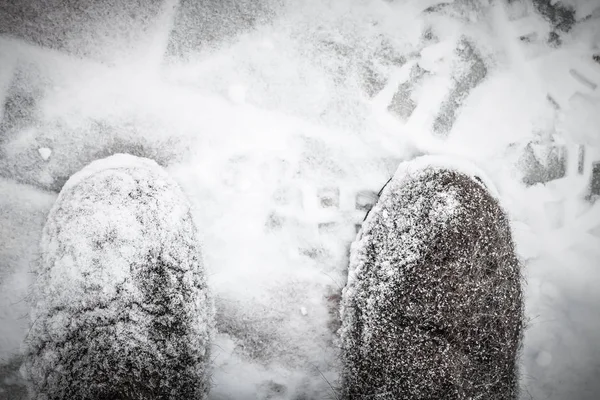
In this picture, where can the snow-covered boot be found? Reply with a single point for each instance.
(433, 305)
(119, 307)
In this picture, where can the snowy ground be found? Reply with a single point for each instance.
(280, 133)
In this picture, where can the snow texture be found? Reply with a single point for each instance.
(120, 306)
(281, 120)
(433, 307)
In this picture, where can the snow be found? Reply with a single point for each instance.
(45, 153)
(581, 119)
(458, 164)
(237, 94)
(22, 215)
(583, 8)
(432, 56)
(255, 127)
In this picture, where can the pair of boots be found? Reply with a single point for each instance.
(120, 307)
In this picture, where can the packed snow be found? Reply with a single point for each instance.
(281, 123)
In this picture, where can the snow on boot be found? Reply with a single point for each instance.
(120, 307)
(433, 304)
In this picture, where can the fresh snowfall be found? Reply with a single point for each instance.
(272, 126)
